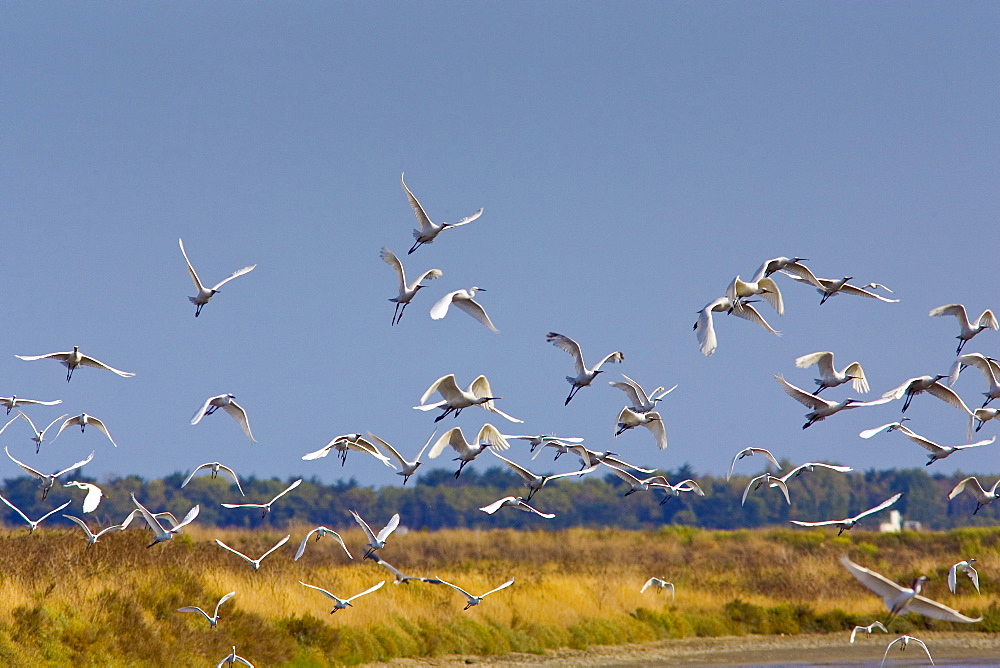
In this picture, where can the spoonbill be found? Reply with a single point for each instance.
(33, 524)
(533, 481)
(214, 619)
(987, 365)
(342, 603)
(963, 567)
(91, 537)
(400, 577)
(821, 408)
(48, 479)
(659, 585)
(674, 491)
(254, 563)
(94, 494)
(986, 321)
(935, 451)
(590, 457)
(320, 532)
(850, 522)
(376, 541)
(215, 467)
(428, 231)
(704, 326)
(11, 402)
(930, 384)
(770, 481)
(514, 502)
(345, 443)
(584, 376)
(811, 466)
(903, 641)
(475, 600)
(901, 600)
(634, 483)
(791, 265)
(981, 416)
(39, 436)
(83, 420)
(641, 402)
(226, 403)
(464, 300)
(740, 290)
(629, 419)
(407, 291)
(829, 376)
(535, 441)
(265, 507)
(488, 437)
(868, 629)
(750, 452)
(206, 294)
(455, 399)
(73, 359)
(982, 496)
(409, 468)
(162, 534)
(231, 659)
(830, 287)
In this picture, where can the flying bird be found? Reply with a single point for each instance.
(750, 452)
(455, 399)
(407, 291)
(464, 300)
(90, 536)
(629, 419)
(829, 376)
(11, 402)
(342, 603)
(935, 451)
(72, 360)
(161, 534)
(533, 481)
(33, 524)
(989, 367)
(400, 577)
(584, 376)
(634, 483)
(265, 507)
(986, 321)
(226, 403)
(704, 326)
(674, 491)
(791, 265)
(39, 436)
(868, 629)
(641, 402)
(48, 479)
(903, 641)
(376, 541)
(488, 437)
(428, 231)
(345, 443)
(254, 563)
(475, 600)
(830, 287)
(982, 496)
(535, 441)
(320, 532)
(963, 567)
(740, 290)
(215, 467)
(206, 294)
(821, 408)
(83, 421)
(981, 416)
(94, 494)
(230, 659)
(850, 522)
(659, 585)
(514, 502)
(770, 481)
(930, 384)
(409, 468)
(214, 619)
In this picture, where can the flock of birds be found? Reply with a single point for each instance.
(739, 299)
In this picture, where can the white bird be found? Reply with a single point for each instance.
(11, 402)
(265, 507)
(345, 443)
(989, 367)
(215, 467)
(659, 585)
(428, 231)
(455, 399)
(342, 603)
(810, 466)
(704, 326)
(634, 483)
(930, 384)
(935, 451)
(830, 287)
(964, 567)
(770, 481)
(868, 629)
(232, 658)
(475, 600)
(226, 403)
(33, 524)
(821, 408)
(213, 620)
(39, 436)
(903, 641)
(535, 441)
(254, 563)
(514, 502)
(584, 376)
(84, 420)
(673, 491)
(406, 291)
(94, 494)
(488, 437)
(791, 265)
(981, 416)
(641, 402)
(850, 522)
(740, 290)
(750, 452)
(900, 600)
(320, 532)
(91, 537)
(409, 468)
(48, 479)
(878, 286)
(464, 300)
(629, 419)
(891, 426)
(400, 576)
(591, 457)
(561, 449)
(982, 496)
(829, 376)
(376, 541)
(986, 321)
(73, 359)
(206, 294)
(162, 534)
(533, 481)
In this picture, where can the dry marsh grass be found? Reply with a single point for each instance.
(115, 604)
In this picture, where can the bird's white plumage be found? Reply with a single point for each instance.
(254, 563)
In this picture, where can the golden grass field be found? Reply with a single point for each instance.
(114, 604)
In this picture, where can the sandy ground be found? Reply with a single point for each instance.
(810, 649)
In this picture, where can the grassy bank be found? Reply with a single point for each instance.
(115, 603)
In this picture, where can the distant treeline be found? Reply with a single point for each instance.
(437, 500)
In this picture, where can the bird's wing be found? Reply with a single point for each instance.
(946, 394)
(24, 466)
(857, 374)
(920, 440)
(305, 541)
(491, 407)
(816, 524)
(868, 433)
(367, 591)
(689, 486)
(364, 527)
(952, 580)
(458, 589)
(780, 484)
(94, 495)
(361, 445)
(747, 490)
(449, 438)
(276, 546)
(897, 392)
(319, 454)
(623, 474)
(881, 585)
(631, 390)
(418, 211)
(388, 528)
(467, 219)
(237, 413)
(398, 574)
(801, 396)
(49, 426)
(974, 576)
(858, 292)
(440, 308)
(100, 425)
(68, 423)
(231, 472)
(473, 308)
(928, 608)
(320, 589)
(2, 429)
(421, 453)
(235, 274)
(556, 476)
(192, 474)
(392, 450)
(493, 507)
(503, 586)
(824, 360)
(770, 457)
(429, 275)
(873, 402)
(223, 600)
(748, 312)
(649, 583)
(191, 514)
(33, 428)
(802, 272)
(194, 275)
(236, 552)
(657, 428)
(151, 520)
(704, 329)
(58, 356)
(882, 506)
(570, 346)
(739, 455)
(287, 490)
(517, 468)
(491, 436)
(956, 310)
(832, 467)
(87, 360)
(194, 608)
(15, 509)
(613, 358)
(524, 506)
(79, 464)
(446, 386)
(855, 632)
(973, 482)
(201, 411)
(773, 294)
(988, 320)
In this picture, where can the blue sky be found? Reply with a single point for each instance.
(631, 160)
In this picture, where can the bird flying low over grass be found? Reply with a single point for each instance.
(475, 600)
(376, 541)
(659, 585)
(48, 479)
(851, 522)
(963, 567)
(868, 630)
(33, 524)
(320, 532)
(342, 603)
(983, 497)
(265, 507)
(214, 619)
(254, 563)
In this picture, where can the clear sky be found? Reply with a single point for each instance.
(631, 159)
